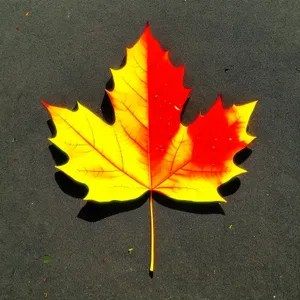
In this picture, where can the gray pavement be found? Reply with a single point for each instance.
(62, 52)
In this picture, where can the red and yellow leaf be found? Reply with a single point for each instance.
(147, 148)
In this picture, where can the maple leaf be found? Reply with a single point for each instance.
(147, 148)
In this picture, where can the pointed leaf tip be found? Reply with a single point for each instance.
(219, 103)
(45, 103)
(220, 99)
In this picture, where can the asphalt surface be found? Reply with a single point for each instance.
(62, 52)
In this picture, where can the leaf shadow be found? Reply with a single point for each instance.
(67, 184)
(230, 187)
(94, 211)
(52, 127)
(107, 109)
(70, 186)
(242, 156)
(188, 206)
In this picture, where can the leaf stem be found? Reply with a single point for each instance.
(152, 235)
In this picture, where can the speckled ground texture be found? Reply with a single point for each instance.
(62, 52)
